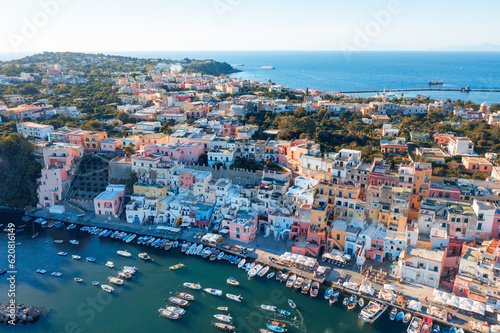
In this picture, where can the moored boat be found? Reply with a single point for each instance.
(41, 271)
(144, 256)
(169, 314)
(76, 257)
(124, 253)
(406, 318)
(415, 325)
(236, 298)
(334, 298)
(115, 280)
(353, 300)
(95, 283)
(62, 254)
(328, 293)
(222, 308)
(223, 326)
(212, 291)
(107, 288)
(361, 302)
(283, 312)
(372, 311)
(224, 318)
(79, 280)
(186, 296)
(292, 304)
(392, 314)
(178, 301)
(178, 266)
(232, 281)
(314, 289)
(110, 264)
(275, 328)
(271, 308)
(400, 315)
(195, 286)
(90, 259)
(241, 263)
(306, 285)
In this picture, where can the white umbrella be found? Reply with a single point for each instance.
(453, 301)
(389, 287)
(478, 307)
(439, 299)
(490, 308)
(437, 292)
(465, 304)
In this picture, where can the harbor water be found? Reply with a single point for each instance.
(81, 307)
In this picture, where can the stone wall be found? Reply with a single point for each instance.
(238, 176)
(119, 170)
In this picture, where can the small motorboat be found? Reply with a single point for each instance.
(241, 263)
(124, 253)
(95, 283)
(195, 286)
(176, 267)
(222, 308)
(283, 312)
(63, 254)
(57, 274)
(406, 318)
(90, 259)
(292, 304)
(270, 275)
(314, 289)
(236, 298)
(41, 271)
(328, 293)
(79, 280)
(392, 314)
(58, 241)
(232, 281)
(224, 318)
(107, 288)
(415, 325)
(361, 302)
(169, 314)
(186, 296)
(345, 301)
(74, 242)
(110, 264)
(353, 300)
(212, 291)
(115, 280)
(275, 328)
(435, 329)
(400, 316)
(175, 309)
(277, 323)
(178, 301)
(76, 257)
(271, 308)
(144, 256)
(223, 326)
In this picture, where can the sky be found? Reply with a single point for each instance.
(28, 26)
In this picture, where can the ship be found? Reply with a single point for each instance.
(267, 67)
(436, 83)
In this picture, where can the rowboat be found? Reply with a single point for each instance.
(406, 318)
(415, 325)
(329, 293)
(292, 304)
(176, 310)
(178, 266)
(291, 280)
(107, 288)
(306, 285)
(298, 282)
(283, 312)
(334, 298)
(169, 314)
(195, 286)
(186, 296)
(373, 311)
(222, 308)
(275, 328)
(178, 301)
(79, 280)
(241, 263)
(314, 289)
(223, 326)
(114, 280)
(361, 302)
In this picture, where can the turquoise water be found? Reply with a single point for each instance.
(73, 307)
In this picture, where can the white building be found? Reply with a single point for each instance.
(485, 213)
(421, 265)
(148, 126)
(39, 131)
(224, 156)
(461, 146)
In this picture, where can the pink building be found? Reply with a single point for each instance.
(198, 112)
(110, 145)
(445, 189)
(244, 227)
(182, 152)
(376, 249)
(110, 202)
(186, 179)
(495, 230)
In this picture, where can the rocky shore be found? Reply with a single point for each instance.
(18, 313)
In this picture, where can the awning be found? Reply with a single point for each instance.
(453, 301)
(414, 305)
(390, 287)
(365, 289)
(478, 307)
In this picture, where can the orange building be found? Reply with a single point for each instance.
(90, 140)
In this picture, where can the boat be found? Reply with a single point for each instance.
(284, 277)
(232, 281)
(275, 328)
(435, 329)
(406, 318)
(298, 282)
(361, 302)
(426, 325)
(236, 298)
(400, 316)
(124, 253)
(178, 301)
(222, 308)
(95, 283)
(224, 318)
(314, 289)
(175, 309)
(445, 330)
(178, 266)
(57, 274)
(345, 301)
(328, 293)
(393, 314)
(125, 274)
(3, 271)
(144, 256)
(271, 308)
(254, 270)
(241, 263)
(185, 246)
(334, 297)
(415, 325)
(58, 241)
(63, 254)
(353, 300)
(433, 83)
(76, 257)
(223, 326)
(115, 280)
(74, 242)
(169, 314)
(195, 286)
(107, 288)
(35, 235)
(110, 264)
(283, 312)
(90, 259)
(306, 285)
(292, 304)
(371, 312)
(212, 291)
(186, 296)
(263, 271)
(267, 67)
(41, 271)
(277, 323)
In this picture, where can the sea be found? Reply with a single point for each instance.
(73, 307)
(354, 71)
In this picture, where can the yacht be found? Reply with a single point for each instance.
(372, 311)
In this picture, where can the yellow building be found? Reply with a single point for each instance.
(151, 190)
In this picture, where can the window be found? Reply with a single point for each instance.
(452, 219)
(479, 226)
(466, 220)
(338, 237)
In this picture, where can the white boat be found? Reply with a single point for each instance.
(267, 67)
(110, 264)
(236, 298)
(63, 254)
(79, 280)
(74, 242)
(241, 263)
(41, 271)
(220, 256)
(212, 291)
(198, 250)
(185, 247)
(144, 256)
(254, 270)
(195, 286)
(372, 311)
(107, 288)
(76, 257)
(263, 271)
(415, 325)
(271, 308)
(224, 318)
(58, 241)
(57, 274)
(169, 314)
(175, 309)
(115, 280)
(192, 248)
(125, 254)
(232, 281)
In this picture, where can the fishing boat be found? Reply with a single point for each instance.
(79, 280)
(406, 318)
(283, 312)
(41, 271)
(314, 289)
(57, 274)
(63, 254)
(306, 285)
(392, 314)
(241, 263)
(186, 296)
(144, 256)
(222, 308)
(107, 288)
(361, 302)
(212, 291)
(178, 301)
(352, 302)
(236, 298)
(400, 315)
(110, 264)
(74, 242)
(270, 275)
(178, 266)
(277, 323)
(415, 325)
(223, 326)
(90, 259)
(292, 304)
(328, 293)
(175, 309)
(275, 328)
(58, 241)
(76, 257)
(124, 253)
(232, 281)
(435, 329)
(224, 318)
(95, 283)
(298, 282)
(115, 280)
(284, 277)
(427, 325)
(271, 308)
(126, 275)
(195, 286)
(371, 312)
(334, 297)
(169, 314)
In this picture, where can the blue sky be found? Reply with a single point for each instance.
(162, 25)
